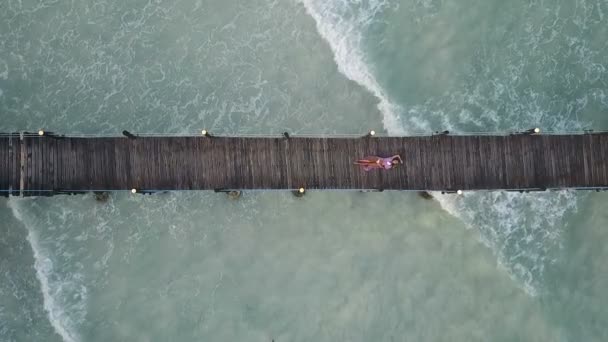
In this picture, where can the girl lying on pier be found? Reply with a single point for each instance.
(374, 162)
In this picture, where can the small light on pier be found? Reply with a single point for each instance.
(41, 133)
(133, 191)
(459, 192)
(204, 132)
(299, 192)
(372, 133)
(536, 130)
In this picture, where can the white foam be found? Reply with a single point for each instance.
(4, 69)
(58, 316)
(342, 27)
(521, 229)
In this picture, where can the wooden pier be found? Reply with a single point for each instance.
(32, 165)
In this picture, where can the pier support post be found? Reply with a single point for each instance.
(300, 192)
(234, 195)
(128, 134)
(533, 131)
(370, 134)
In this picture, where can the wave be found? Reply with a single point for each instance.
(340, 25)
(56, 291)
(522, 230)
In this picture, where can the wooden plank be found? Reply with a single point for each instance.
(576, 164)
(437, 164)
(6, 177)
(399, 177)
(27, 187)
(102, 163)
(6, 165)
(42, 168)
(37, 160)
(13, 143)
(29, 183)
(426, 163)
(603, 153)
(121, 152)
(502, 161)
(550, 168)
(50, 170)
(68, 163)
(539, 168)
(491, 174)
(39, 165)
(458, 158)
(44, 165)
(562, 168)
(413, 162)
(78, 165)
(91, 159)
(58, 164)
(485, 163)
(63, 153)
(4, 160)
(9, 164)
(595, 158)
(8, 168)
(471, 171)
(17, 164)
(31, 151)
(279, 148)
(527, 149)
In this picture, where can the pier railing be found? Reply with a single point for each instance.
(379, 134)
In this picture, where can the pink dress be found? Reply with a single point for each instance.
(373, 162)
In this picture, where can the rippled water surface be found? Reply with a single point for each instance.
(331, 266)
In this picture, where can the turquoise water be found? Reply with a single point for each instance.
(332, 265)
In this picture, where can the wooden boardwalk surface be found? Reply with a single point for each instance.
(44, 165)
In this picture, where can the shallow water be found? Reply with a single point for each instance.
(332, 265)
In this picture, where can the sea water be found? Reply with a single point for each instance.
(191, 266)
